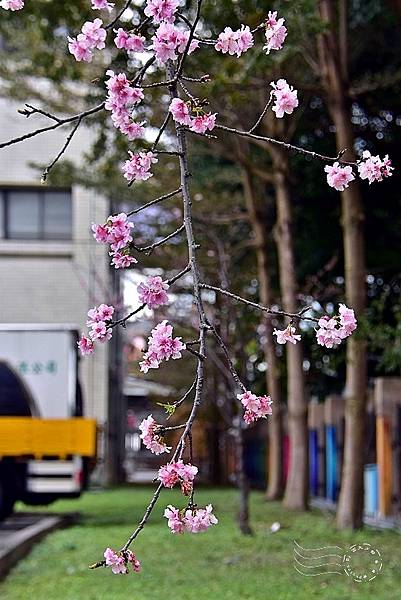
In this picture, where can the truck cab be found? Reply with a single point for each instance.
(47, 447)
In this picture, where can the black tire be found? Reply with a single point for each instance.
(7, 494)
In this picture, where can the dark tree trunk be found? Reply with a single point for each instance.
(296, 491)
(350, 507)
(275, 437)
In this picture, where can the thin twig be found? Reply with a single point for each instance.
(152, 202)
(149, 249)
(119, 15)
(58, 123)
(271, 311)
(63, 149)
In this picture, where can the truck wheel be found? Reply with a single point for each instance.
(7, 497)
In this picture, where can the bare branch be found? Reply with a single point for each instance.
(280, 313)
(156, 201)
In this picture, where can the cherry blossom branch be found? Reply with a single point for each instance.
(120, 14)
(63, 149)
(149, 249)
(287, 146)
(123, 320)
(230, 363)
(155, 201)
(58, 123)
(280, 313)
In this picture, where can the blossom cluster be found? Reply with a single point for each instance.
(161, 10)
(98, 322)
(285, 98)
(151, 436)
(234, 42)
(333, 330)
(287, 335)
(129, 41)
(152, 292)
(121, 97)
(169, 41)
(92, 36)
(199, 123)
(372, 168)
(102, 5)
(181, 472)
(137, 167)
(275, 33)
(116, 232)
(120, 561)
(12, 4)
(256, 407)
(193, 520)
(161, 346)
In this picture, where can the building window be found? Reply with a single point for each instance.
(35, 214)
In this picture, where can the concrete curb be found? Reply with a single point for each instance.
(19, 543)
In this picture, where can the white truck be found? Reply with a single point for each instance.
(46, 446)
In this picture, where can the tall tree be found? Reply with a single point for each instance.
(333, 59)
(275, 458)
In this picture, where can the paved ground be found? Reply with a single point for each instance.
(21, 531)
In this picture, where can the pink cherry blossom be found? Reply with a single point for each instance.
(12, 4)
(102, 4)
(174, 519)
(153, 292)
(119, 561)
(170, 40)
(275, 33)
(85, 346)
(200, 519)
(244, 39)
(227, 42)
(202, 123)
(175, 472)
(161, 346)
(103, 312)
(193, 520)
(339, 177)
(234, 42)
(117, 233)
(100, 331)
(331, 331)
(80, 48)
(373, 168)
(137, 168)
(161, 10)
(285, 98)
(129, 42)
(121, 261)
(121, 98)
(287, 335)
(347, 319)
(131, 558)
(180, 111)
(328, 334)
(94, 33)
(115, 561)
(92, 36)
(150, 435)
(256, 407)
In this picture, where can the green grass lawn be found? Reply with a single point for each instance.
(219, 564)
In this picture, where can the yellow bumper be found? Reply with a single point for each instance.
(38, 438)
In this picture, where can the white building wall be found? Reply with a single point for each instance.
(54, 281)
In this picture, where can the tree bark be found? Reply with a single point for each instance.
(275, 435)
(296, 491)
(350, 506)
